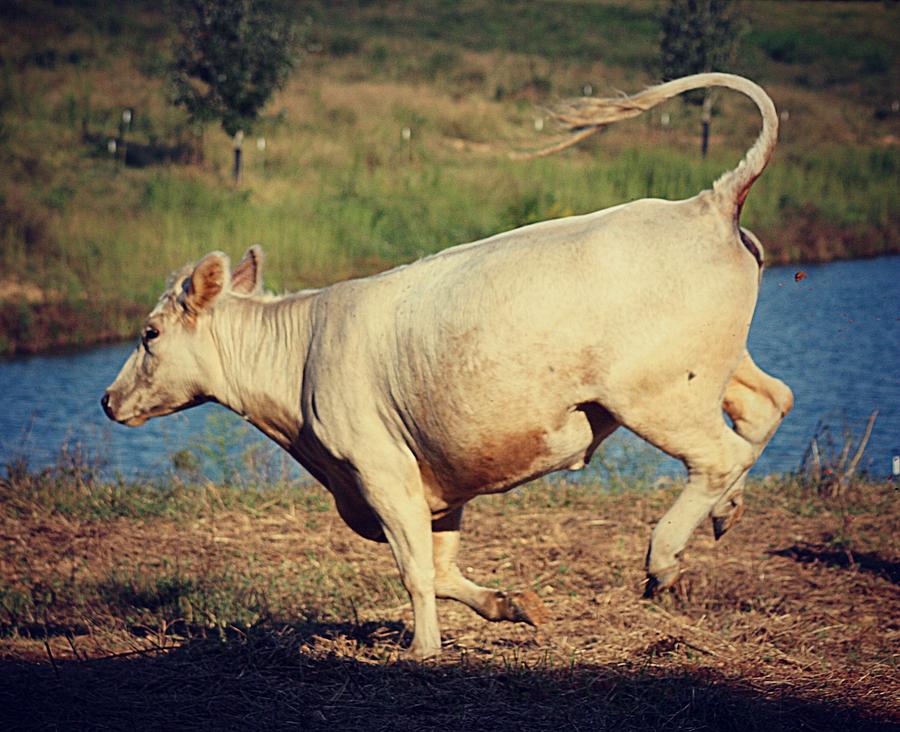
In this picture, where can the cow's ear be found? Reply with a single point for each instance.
(247, 276)
(206, 283)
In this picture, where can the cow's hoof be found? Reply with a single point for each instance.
(657, 582)
(721, 524)
(417, 655)
(526, 607)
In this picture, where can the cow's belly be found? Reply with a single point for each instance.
(498, 461)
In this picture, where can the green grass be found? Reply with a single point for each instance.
(360, 220)
(338, 193)
(559, 31)
(78, 492)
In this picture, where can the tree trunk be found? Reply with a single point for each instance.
(238, 164)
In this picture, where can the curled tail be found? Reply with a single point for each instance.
(584, 117)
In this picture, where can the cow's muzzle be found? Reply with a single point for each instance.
(104, 402)
(112, 407)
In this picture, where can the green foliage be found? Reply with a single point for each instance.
(399, 212)
(796, 46)
(699, 36)
(344, 45)
(233, 54)
(336, 193)
(564, 31)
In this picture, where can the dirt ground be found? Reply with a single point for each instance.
(791, 621)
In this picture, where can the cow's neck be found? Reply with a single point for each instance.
(262, 346)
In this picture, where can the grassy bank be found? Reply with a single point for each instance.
(186, 605)
(337, 192)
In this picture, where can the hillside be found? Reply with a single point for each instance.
(88, 238)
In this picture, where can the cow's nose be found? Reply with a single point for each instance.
(104, 402)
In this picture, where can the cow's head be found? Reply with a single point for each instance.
(176, 364)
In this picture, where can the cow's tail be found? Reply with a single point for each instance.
(583, 117)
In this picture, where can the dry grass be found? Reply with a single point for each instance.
(262, 616)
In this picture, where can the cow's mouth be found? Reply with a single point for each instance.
(135, 421)
(138, 419)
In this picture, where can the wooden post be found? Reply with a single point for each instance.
(238, 145)
(127, 115)
(706, 117)
(406, 134)
(261, 147)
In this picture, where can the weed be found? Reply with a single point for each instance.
(829, 466)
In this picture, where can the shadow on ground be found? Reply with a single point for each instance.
(870, 562)
(296, 676)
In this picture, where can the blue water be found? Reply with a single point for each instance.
(833, 336)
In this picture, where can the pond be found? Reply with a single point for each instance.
(833, 336)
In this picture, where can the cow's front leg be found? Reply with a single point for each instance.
(516, 607)
(394, 491)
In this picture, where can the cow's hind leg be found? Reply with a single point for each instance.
(517, 607)
(712, 470)
(692, 428)
(756, 404)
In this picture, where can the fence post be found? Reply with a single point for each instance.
(238, 144)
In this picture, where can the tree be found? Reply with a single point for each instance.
(232, 56)
(699, 36)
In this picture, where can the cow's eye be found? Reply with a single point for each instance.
(150, 333)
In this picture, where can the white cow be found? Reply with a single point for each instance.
(490, 364)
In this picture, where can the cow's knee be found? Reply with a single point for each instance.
(756, 403)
